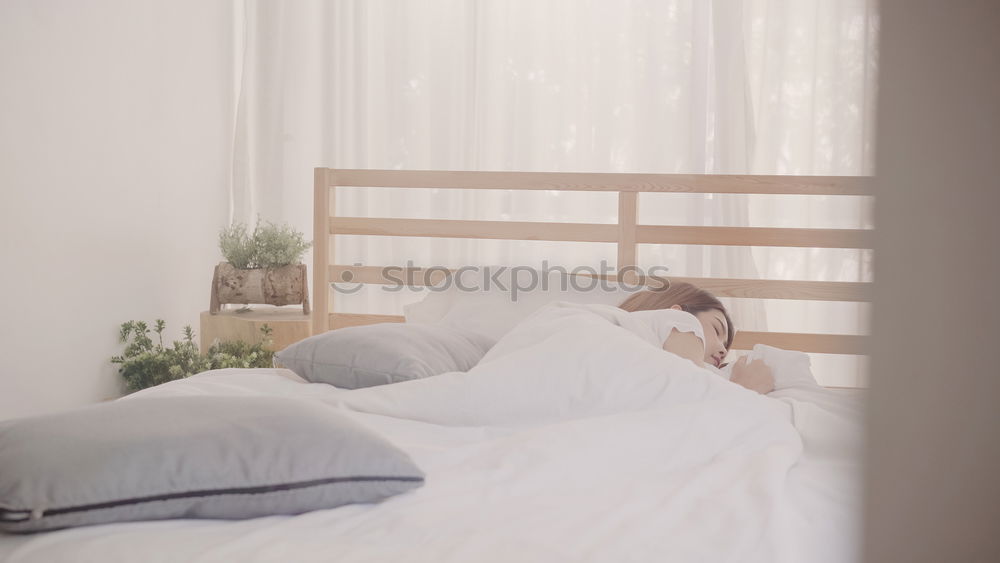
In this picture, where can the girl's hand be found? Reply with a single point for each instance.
(755, 376)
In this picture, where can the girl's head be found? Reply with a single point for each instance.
(707, 308)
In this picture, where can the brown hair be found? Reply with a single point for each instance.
(691, 298)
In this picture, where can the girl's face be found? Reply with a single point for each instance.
(713, 322)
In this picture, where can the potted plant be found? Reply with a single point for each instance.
(261, 267)
(145, 362)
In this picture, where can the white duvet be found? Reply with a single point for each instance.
(574, 440)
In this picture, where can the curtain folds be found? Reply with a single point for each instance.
(720, 86)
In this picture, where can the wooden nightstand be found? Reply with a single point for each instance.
(288, 326)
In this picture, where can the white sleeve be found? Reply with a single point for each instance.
(663, 321)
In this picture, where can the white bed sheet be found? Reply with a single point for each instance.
(581, 468)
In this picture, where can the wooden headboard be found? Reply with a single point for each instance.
(627, 234)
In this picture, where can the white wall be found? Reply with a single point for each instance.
(115, 120)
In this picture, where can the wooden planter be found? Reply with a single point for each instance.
(269, 286)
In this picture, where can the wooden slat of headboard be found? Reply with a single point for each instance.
(600, 232)
(321, 249)
(783, 289)
(450, 228)
(804, 342)
(628, 215)
(754, 236)
(605, 182)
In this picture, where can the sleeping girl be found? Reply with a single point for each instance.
(693, 324)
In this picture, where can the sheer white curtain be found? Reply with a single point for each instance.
(697, 86)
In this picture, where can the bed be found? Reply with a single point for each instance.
(566, 442)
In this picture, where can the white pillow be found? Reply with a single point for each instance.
(790, 368)
(491, 300)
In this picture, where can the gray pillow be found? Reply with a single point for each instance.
(364, 356)
(190, 457)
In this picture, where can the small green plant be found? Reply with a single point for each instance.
(145, 363)
(268, 246)
(239, 354)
